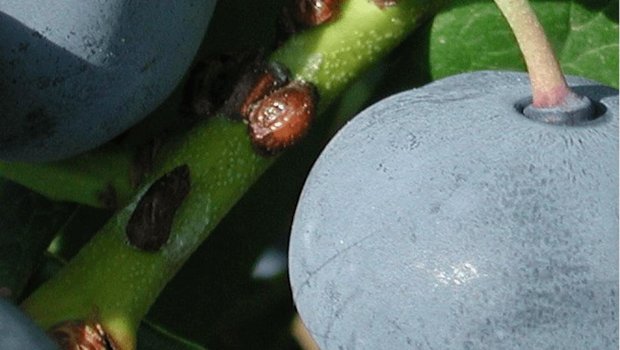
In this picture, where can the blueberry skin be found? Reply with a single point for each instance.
(442, 218)
(74, 74)
(18, 332)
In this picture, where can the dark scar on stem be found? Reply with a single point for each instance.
(150, 223)
(213, 80)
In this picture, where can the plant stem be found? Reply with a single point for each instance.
(99, 179)
(115, 283)
(549, 87)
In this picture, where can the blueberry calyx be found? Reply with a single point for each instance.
(574, 110)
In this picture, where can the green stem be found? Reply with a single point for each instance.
(336, 54)
(549, 87)
(99, 179)
(115, 283)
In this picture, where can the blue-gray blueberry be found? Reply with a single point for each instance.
(18, 332)
(443, 218)
(74, 74)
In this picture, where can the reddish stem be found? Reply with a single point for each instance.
(549, 88)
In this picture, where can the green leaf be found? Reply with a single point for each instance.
(28, 222)
(473, 35)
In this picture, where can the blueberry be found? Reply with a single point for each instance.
(18, 332)
(444, 218)
(74, 74)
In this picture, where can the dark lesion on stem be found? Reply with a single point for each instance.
(150, 223)
(212, 81)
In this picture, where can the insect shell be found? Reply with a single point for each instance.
(81, 335)
(311, 13)
(282, 117)
(273, 77)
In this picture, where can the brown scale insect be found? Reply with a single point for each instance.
(269, 78)
(150, 223)
(312, 13)
(81, 335)
(282, 117)
(298, 15)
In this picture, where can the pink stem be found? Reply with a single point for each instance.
(549, 87)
